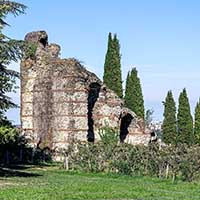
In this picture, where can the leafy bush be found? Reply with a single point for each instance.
(8, 135)
(108, 135)
(9, 143)
(190, 163)
(153, 160)
(14, 148)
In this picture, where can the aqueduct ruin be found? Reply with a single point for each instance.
(61, 100)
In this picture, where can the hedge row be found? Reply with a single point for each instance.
(153, 160)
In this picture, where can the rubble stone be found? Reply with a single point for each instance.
(61, 101)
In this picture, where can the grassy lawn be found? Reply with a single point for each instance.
(50, 183)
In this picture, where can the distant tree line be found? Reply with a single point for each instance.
(178, 126)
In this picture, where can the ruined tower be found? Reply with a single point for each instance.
(61, 100)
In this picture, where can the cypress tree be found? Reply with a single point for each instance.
(107, 64)
(184, 119)
(128, 92)
(112, 67)
(133, 94)
(169, 127)
(197, 124)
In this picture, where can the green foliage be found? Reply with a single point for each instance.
(189, 163)
(7, 82)
(7, 7)
(10, 50)
(112, 68)
(14, 148)
(166, 162)
(197, 124)
(133, 93)
(9, 143)
(128, 92)
(169, 127)
(152, 160)
(30, 50)
(184, 119)
(7, 135)
(108, 135)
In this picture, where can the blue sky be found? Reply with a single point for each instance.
(160, 38)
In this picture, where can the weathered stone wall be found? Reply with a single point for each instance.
(61, 101)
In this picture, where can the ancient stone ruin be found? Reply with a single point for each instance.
(61, 101)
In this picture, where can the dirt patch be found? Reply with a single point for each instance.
(6, 183)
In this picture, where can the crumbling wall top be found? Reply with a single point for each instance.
(37, 37)
(40, 38)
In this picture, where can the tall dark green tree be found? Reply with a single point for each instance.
(133, 93)
(128, 93)
(108, 61)
(10, 50)
(169, 127)
(197, 124)
(112, 68)
(184, 119)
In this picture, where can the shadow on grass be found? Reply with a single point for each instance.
(16, 171)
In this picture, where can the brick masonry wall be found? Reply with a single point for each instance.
(55, 97)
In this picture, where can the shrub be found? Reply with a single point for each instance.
(108, 135)
(9, 143)
(190, 163)
(153, 160)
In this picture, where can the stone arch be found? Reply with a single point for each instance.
(44, 41)
(93, 94)
(125, 122)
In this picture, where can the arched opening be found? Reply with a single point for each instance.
(125, 122)
(154, 137)
(44, 41)
(94, 89)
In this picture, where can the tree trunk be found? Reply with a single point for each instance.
(167, 171)
(7, 157)
(20, 155)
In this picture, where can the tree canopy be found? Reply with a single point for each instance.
(10, 50)
(112, 67)
(184, 119)
(133, 93)
(197, 123)
(169, 126)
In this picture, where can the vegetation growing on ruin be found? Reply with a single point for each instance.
(30, 50)
(106, 169)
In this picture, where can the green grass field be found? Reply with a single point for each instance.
(50, 183)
